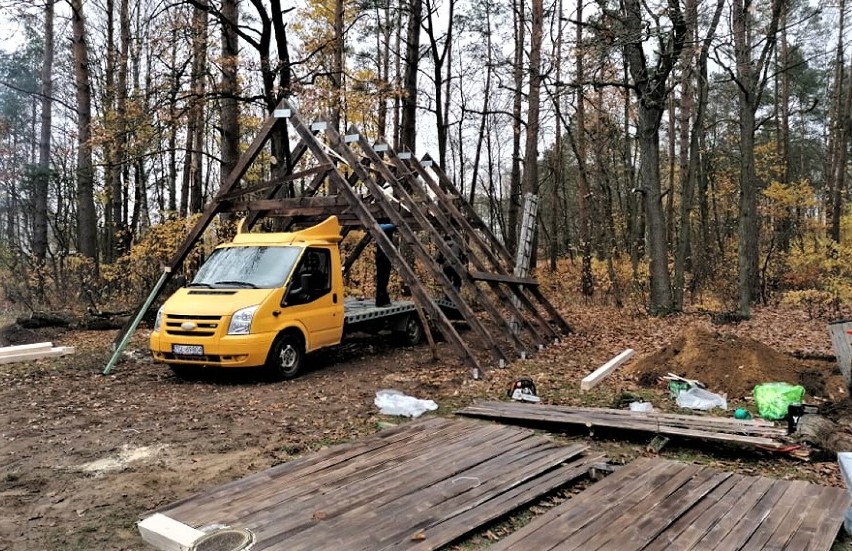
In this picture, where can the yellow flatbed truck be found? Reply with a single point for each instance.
(266, 300)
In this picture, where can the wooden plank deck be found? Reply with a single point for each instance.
(418, 486)
(744, 433)
(656, 504)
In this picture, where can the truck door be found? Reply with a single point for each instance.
(311, 299)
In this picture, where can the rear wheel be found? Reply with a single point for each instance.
(412, 332)
(285, 357)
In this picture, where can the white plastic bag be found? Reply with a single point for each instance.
(698, 398)
(644, 407)
(394, 402)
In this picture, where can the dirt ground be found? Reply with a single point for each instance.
(83, 456)
(735, 365)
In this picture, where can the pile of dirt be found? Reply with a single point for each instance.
(734, 365)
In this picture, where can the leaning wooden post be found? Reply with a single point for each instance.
(122, 344)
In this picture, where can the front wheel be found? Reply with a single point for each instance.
(285, 357)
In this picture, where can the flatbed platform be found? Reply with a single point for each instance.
(358, 310)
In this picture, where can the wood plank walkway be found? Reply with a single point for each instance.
(662, 505)
(743, 433)
(418, 486)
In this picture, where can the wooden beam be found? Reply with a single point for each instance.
(397, 184)
(278, 182)
(484, 247)
(37, 354)
(25, 348)
(596, 376)
(496, 244)
(424, 257)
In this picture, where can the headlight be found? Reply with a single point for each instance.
(241, 321)
(159, 319)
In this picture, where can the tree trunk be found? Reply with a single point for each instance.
(87, 222)
(587, 283)
(837, 130)
(230, 111)
(408, 131)
(511, 232)
(337, 67)
(119, 202)
(750, 87)
(650, 87)
(649, 174)
(42, 181)
(691, 175)
(199, 88)
(111, 168)
(531, 182)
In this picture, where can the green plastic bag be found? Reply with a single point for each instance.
(772, 399)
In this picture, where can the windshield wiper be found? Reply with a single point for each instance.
(238, 283)
(200, 284)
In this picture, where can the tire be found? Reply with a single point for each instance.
(285, 357)
(412, 332)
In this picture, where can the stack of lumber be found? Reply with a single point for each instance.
(37, 351)
(419, 486)
(660, 505)
(745, 433)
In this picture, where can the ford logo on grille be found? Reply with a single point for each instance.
(187, 326)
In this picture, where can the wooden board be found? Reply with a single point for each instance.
(656, 504)
(744, 433)
(37, 354)
(7, 351)
(421, 485)
(596, 376)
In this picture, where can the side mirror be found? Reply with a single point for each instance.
(305, 282)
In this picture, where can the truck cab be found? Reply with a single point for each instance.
(264, 299)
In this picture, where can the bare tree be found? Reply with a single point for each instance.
(752, 58)
(42, 180)
(649, 83)
(230, 112)
(408, 126)
(87, 222)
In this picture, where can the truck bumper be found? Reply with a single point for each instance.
(228, 351)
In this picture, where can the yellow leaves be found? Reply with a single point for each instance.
(784, 199)
(816, 303)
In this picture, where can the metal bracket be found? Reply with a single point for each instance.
(319, 126)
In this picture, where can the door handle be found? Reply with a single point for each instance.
(334, 298)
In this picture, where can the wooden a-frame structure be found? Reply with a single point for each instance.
(365, 184)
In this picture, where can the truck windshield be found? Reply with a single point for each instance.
(247, 267)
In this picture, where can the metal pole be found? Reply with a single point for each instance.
(122, 344)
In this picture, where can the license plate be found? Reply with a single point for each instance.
(188, 349)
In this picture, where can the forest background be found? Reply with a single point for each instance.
(688, 153)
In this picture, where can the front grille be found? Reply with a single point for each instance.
(205, 326)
